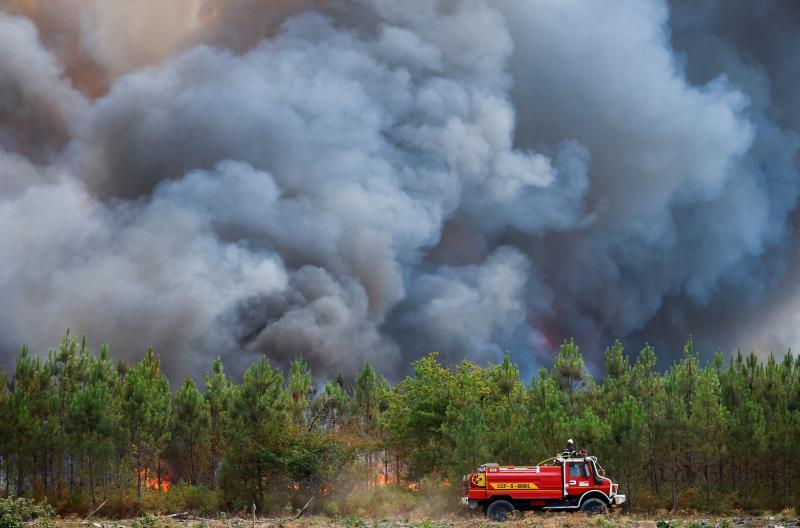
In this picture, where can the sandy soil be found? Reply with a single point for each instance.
(530, 520)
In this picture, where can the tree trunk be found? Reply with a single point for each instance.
(630, 484)
(369, 470)
(138, 475)
(71, 474)
(746, 484)
(385, 467)
(689, 470)
(34, 471)
(653, 471)
(397, 467)
(192, 477)
(44, 470)
(91, 480)
(6, 461)
(213, 468)
(260, 485)
(674, 484)
(59, 473)
(19, 473)
(158, 472)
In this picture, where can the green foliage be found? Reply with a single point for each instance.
(301, 388)
(147, 411)
(182, 497)
(14, 512)
(219, 395)
(191, 419)
(256, 433)
(569, 369)
(77, 429)
(145, 521)
(468, 436)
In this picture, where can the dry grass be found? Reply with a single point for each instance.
(530, 520)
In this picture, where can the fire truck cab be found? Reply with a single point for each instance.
(571, 484)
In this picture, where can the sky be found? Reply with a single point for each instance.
(372, 180)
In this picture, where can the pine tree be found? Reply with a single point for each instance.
(569, 369)
(626, 449)
(92, 417)
(256, 432)
(672, 427)
(218, 395)
(469, 441)
(510, 435)
(22, 422)
(66, 369)
(367, 407)
(190, 426)
(708, 426)
(548, 416)
(147, 407)
(749, 441)
(687, 381)
(420, 410)
(647, 387)
(301, 389)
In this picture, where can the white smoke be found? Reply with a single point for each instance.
(372, 180)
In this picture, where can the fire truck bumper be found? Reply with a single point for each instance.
(619, 499)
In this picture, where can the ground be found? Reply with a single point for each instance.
(530, 520)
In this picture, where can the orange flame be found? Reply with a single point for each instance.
(383, 479)
(151, 482)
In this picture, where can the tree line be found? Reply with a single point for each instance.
(77, 428)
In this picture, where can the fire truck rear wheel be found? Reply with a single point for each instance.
(594, 507)
(500, 511)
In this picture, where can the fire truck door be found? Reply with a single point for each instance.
(578, 477)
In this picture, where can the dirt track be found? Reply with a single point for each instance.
(529, 520)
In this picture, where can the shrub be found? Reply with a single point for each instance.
(122, 504)
(181, 497)
(692, 499)
(787, 515)
(77, 502)
(16, 511)
(145, 521)
(331, 508)
(645, 502)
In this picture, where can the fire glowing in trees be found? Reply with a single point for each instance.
(151, 481)
(383, 480)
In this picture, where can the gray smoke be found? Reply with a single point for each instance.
(372, 180)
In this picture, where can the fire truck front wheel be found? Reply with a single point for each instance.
(594, 507)
(500, 510)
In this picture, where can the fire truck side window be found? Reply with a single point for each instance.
(578, 470)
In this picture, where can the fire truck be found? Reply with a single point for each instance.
(574, 483)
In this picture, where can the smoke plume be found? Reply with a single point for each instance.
(373, 180)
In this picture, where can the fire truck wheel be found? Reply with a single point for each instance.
(594, 507)
(500, 510)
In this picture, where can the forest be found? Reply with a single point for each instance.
(78, 429)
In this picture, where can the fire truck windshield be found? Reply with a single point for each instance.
(578, 469)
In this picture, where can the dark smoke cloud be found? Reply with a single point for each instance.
(372, 180)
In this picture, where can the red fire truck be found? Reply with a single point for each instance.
(574, 483)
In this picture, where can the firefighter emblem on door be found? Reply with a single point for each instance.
(478, 480)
